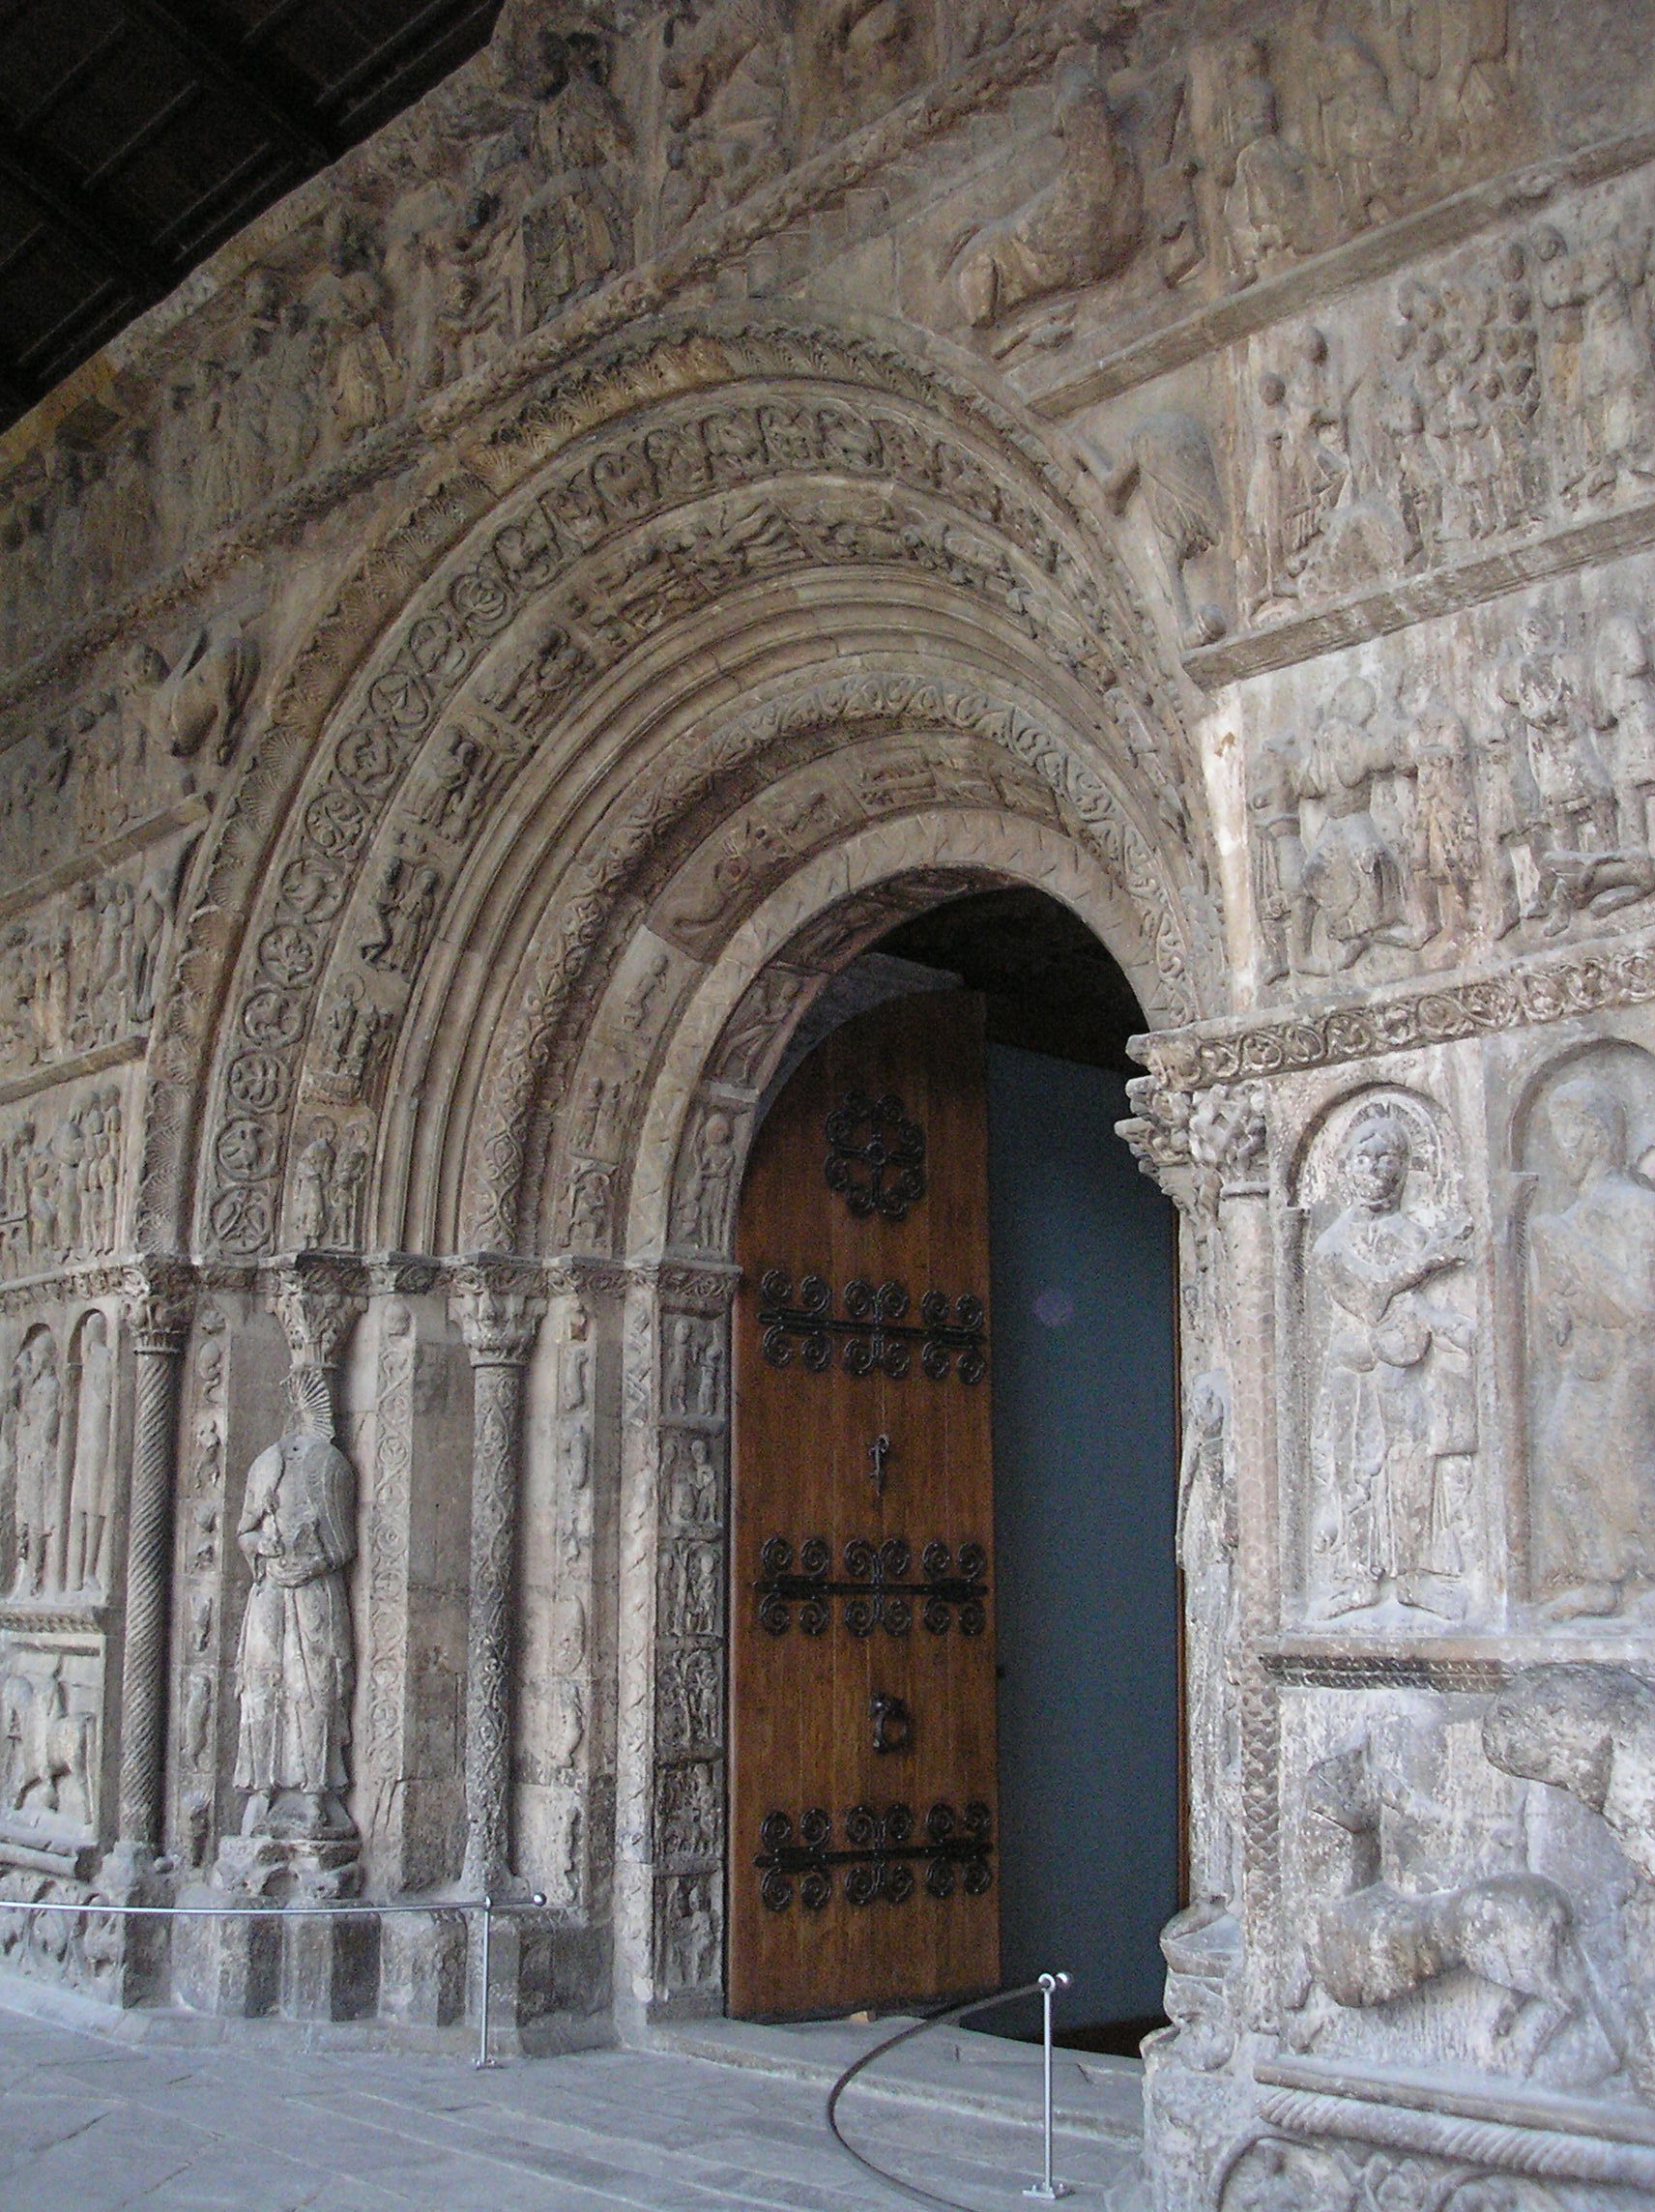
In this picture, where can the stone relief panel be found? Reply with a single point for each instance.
(62, 1178)
(58, 1451)
(566, 1725)
(1585, 1148)
(1503, 390)
(51, 1700)
(80, 974)
(1183, 162)
(1383, 1257)
(1491, 789)
(1468, 1874)
(527, 182)
(1207, 1536)
(203, 1576)
(1279, 2174)
(128, 761)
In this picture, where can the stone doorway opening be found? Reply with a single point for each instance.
(1089, 1816)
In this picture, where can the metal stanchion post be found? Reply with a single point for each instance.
(485, 1981)
(1047, 2191)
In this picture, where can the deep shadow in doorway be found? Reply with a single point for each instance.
(1085, 1425)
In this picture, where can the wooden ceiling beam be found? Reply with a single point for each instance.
(201, 36)
(40, 176)
(402, 55)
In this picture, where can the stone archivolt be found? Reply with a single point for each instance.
(449, 711)
(417, 965)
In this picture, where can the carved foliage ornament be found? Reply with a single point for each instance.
(1545, 989)
(159, 1296)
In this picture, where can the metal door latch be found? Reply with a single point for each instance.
(879, 1451)
(893, 1727)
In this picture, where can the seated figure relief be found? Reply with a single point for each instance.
(1085, 225)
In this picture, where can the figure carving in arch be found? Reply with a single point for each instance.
(1586, 1142)
(87, 1560)
(995, 535)
(1389, 1331)
(31, 1471)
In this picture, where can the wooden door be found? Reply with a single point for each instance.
(863, 1825)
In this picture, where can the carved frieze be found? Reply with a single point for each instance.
(62, 1180)
(1449, 1913)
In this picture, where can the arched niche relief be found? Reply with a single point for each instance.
(659, 1270)
(1384, 1266)
(1583, 1150)
(621, 563)
(31, 1469)
(89, 1534)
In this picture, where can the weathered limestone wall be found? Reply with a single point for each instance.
(709, 482)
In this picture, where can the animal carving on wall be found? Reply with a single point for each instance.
(1084, 226)
(207, 692)
(1169, 465)
(1374, 1941)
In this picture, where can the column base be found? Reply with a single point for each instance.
(228, 1962)
(423, 1968)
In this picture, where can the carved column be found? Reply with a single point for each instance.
(157, 1296)
(1208, 1153)
(1244, 1264)
(498, 1310)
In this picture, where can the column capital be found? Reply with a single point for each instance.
(1229, 1137)
(159, 1296)
(1199, 1146)
(317, 1299)
(498, 1303)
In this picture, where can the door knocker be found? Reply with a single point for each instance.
(894, 1728)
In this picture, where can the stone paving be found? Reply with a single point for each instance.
(89, 2123)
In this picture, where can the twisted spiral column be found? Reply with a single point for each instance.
(498, 1317)
(158, 1303)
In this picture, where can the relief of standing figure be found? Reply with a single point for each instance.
(294, 1665)
(1592, 1298)
(1391, 1400)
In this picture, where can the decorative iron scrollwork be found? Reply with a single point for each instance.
(875, 1590)
(872, 1328)
(875, 1155)
(878, 1856)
